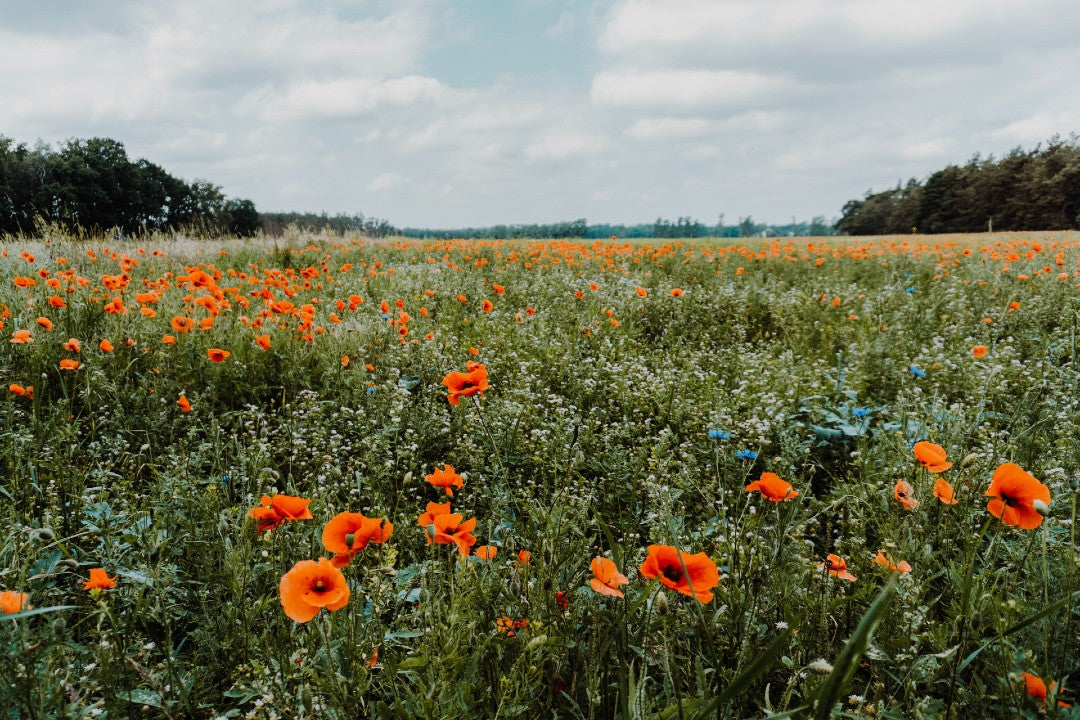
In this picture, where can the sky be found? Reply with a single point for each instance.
(456, 113)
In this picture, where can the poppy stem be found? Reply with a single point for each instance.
(965, 602)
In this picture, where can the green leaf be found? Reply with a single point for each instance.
(760, 665)
(35, 611)
(828, 694)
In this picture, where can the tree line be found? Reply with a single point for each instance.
(682, 227)
(275, 223)
(1036, 189)
(91, 185)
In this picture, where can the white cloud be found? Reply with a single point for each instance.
(685, 88)
(385, 182)
(339, 98)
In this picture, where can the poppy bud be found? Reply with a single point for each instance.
(969, 459)
(661, 601)
(1040, 507)
(349, 539)
(407, 479)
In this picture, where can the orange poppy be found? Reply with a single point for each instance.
(524, 558)
(182, 324)
(771, 486)
(1017, 497)
(499, 289)
(693, 575)
(428, 516)
(57, 302)
(99, 580)
(310, 586)
(931, 456)
(1034, 685)
(642, 292)
(168, 339)
(73, 345)
(450, 528)
(943, 491)
(507, 625)
(486, 552)
(606, 577)
(263, 341)
(487, 306)
(348, 533)
(25, 282)
(21, 337)
(17, 389)
(466, 384)
(105, 346)
(185, 405)
(273, 511)
(446, 478)
(12, 602)
(676, 292)
(837, 567)
(67, 364)
(904, 494)
(45, 323)
(217, 354)
(979, 351)
(901, 567)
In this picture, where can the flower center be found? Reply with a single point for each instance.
(673, 573)
(319, 586)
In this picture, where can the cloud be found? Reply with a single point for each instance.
(339, 98)
(686, 88)
(386, 182)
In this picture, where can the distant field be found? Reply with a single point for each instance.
(682, 476)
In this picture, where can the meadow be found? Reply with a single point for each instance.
(331, 477)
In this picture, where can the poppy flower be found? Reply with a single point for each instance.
(563, 600)
(445, 478)
(217, 354)
(73, 345)
(182, 324)
(487, 306)
(837, 567)
(348, 533)
(12, 602)
(263, 341)
(666, 564)
(168, 339)
(466, 384)
(606, 577)
(1017, 497)
(428, 516)
(641, 292)
(771, 486)
(931, 456)
(499, 289)
(1034, 685)
(904, 494)
(310, 586)
(524, 558)
(99, 580)
(882, 561)
(676, 292)
(21, 337)
(105, 346)
(486, 552)
(273, 511)
(943, 491)
(45, 323)
(450, 528)
(67, 364)
(24, 282)
(979, 351)
(57, 302)
(185, 405)
(508, 626)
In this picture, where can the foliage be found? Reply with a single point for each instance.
(618, 414)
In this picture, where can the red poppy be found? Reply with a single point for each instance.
(310, 586)
(99, 580)
(105, 346)
(693, 575)
(508, 626)
(524, 558)
(466, 384)
(905, 495)
(185, 405)
(445, 478)
(931, 456)
(450, 528)
(979, 351)
(67, 364)
(73, 345)
(17, 389)
(676, 292)
(901, 567)
(348, 533)
(486, 552)
(273, 511)
(263, 341)
(771, 486)
(837, 567)
(487, 306)
(217, 354)
(12, 602)
(943, 491)
(428, 516)
(606, 577)
(45, 323)
(1018, 498)
(21, 337)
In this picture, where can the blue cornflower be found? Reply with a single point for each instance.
(910, 290)
(371, 391)
(917, 372)
(718, 434)
(861, 412)
(746, 455)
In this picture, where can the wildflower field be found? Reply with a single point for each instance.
(331, 477)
